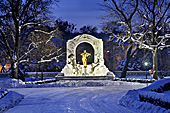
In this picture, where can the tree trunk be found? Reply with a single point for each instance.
(155, 64)
(14, 71)
(128, 56)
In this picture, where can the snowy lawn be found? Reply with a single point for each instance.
(10, 100)
(100, 99)
(83, 96)
(69, 96)
(152, 100)
(32, 83)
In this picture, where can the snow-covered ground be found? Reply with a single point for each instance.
(31, 83)
(96, 96)
(68, 96)
(100, 99)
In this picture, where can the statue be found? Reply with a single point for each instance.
(84, 58)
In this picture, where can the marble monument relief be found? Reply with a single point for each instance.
(95, 68)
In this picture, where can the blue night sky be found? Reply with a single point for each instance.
(79, 12)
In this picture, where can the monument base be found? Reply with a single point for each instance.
(90, 70)
(84, 78)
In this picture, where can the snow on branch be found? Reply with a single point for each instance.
(34, 45)
(119, 37)
(167, 36)
(123, 23)
(22, 61)
(33, 23)
(48, 33)
(42, 59)
(165, 46)
(142, 45)
(25, 54)
(53, 58)
(163, 40)
(51, 53)
(139, 36)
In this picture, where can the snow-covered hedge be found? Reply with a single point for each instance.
(151, 101)
(136, 80)
(131, 101)
(158, 99)
(157, 84)
(165, 87)
(156, 96)
(3, 92)
(10, 100)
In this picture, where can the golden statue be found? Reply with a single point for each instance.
(84, 58)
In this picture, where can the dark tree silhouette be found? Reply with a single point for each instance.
(145, 23)
(20, 19)
(88, 29)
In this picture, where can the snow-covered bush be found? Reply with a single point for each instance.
(157, 99)
(156, 96)
(10, 100)
(3, 92)
(147, 101)
(165, 87)
(131, 101)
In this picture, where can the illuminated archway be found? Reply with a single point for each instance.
(95, 68)
(80, 49)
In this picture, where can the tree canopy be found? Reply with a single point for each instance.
(20, 20)
(145, 23)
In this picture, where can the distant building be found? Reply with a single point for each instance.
(4, 63)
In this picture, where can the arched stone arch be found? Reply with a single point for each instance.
(80, 49)
(95, 42)
(95, 69)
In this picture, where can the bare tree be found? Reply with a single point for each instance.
(119, 15)
(20, 19)
(149, 23)
(151, 34)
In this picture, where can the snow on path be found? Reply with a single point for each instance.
(73, 99)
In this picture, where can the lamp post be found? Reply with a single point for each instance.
(108, 52)
(146, 64)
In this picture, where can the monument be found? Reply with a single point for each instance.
(96, 68)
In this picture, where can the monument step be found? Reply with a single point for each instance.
(83, 78)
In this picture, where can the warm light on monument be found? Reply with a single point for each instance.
(96, 68)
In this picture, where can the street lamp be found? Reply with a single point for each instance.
(146, 64)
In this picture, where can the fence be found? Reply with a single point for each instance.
(4, 75)
(141, 73)
(38, 74)
(117, 73)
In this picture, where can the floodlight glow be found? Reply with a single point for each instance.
(146, 63)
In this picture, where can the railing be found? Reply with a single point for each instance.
(117, 73)
(4, 75)
(141, 73)
(38, 74)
